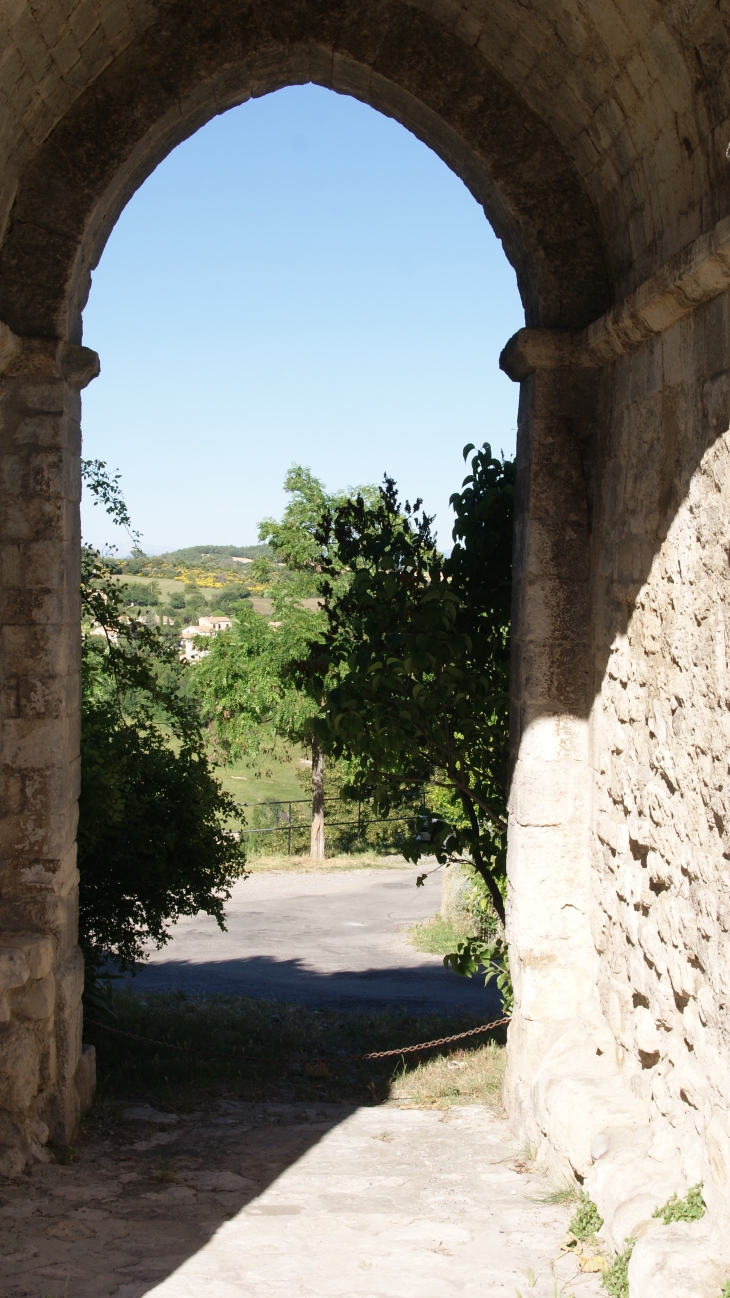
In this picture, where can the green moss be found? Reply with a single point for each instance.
(586, 1220)
(691, 1208)
(616, 1277)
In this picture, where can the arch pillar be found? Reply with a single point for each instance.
(44, 1083)
(552, 954)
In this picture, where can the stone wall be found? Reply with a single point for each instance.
(659, 732)
(41, 969)
(620, 1060)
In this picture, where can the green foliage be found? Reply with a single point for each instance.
(475, 953)
(230, 601)
(615, 1278)
(195, 601)
(138, 561)
(107, 492)
(414, 665)
(690, 1208)
(193, 555)
(725, 1291)
(297, 540)
(141, 593)
(152, 838)
(586, 1220)
(244, 684)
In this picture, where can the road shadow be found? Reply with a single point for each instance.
(420, 989)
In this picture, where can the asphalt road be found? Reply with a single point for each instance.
(319, 940)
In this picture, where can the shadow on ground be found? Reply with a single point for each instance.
(422, 989)
(145, 1192)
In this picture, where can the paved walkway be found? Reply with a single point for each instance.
(302, 1201)
(320, 940)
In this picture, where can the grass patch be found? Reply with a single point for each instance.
(562, 1194)
(436, 936)
(286, 1053)
(472, 1076)
(272, 777)
(346, 861)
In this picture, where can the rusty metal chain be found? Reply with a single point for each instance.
(441, 1041)
(340, 1059)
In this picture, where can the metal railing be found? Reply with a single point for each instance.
(360, 824)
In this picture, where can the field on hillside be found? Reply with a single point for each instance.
(269, 779)
(167, 585)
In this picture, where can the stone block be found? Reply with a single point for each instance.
(19, 1066)
(36, 947)
(36, 1000)
(684, 1260)
(14, 970)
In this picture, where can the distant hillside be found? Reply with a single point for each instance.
(203, 565)
(194, 553)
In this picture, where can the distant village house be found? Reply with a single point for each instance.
(207, 626)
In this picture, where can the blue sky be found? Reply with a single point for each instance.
(303, 280)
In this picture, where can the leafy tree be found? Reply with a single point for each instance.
(143, 594)
(230, 601)
(153, 839)
(294, 539)
(262, 570)
(195, 601)
(412, 674)
(297, 540)
(244, 683)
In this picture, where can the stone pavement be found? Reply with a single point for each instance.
(247, 1200)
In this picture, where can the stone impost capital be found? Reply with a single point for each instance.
(46, 358)
(696, 275)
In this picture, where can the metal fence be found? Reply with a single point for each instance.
(289, 824)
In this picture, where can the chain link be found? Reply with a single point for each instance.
(341, 1059)
(441, 1041)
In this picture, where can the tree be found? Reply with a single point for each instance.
(412, 674)
(153, 838)
(141, 593)
(244, 681)
(297, 540)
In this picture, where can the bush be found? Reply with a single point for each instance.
(152, 838)
(142, 593)
(152, 842)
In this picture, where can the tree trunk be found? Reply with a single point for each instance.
(317, 848)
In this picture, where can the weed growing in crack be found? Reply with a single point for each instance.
(162, 1174)
(567, 1193)
(586, 1220)
(616, 1276)
(691, 1208)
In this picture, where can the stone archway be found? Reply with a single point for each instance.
(594, 137)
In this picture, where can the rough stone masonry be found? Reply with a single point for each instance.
(594, 135)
